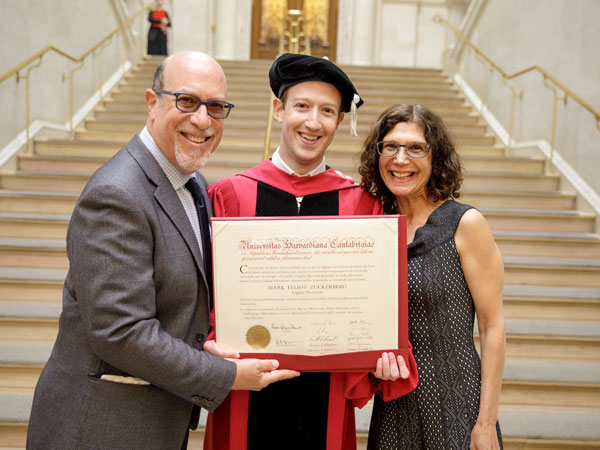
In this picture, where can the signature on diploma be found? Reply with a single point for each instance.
(285, 343)
(359, 322)
(360, 332)
(285, 327)
(322, 334)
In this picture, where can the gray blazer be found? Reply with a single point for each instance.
(135, 303)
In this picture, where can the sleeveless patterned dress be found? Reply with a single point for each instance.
(441, 412)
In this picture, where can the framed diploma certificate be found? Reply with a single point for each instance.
(316, 293)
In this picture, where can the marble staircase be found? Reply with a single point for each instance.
(551, 248)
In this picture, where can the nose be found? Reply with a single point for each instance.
(312, 120)
(401, 156)
(200, 118)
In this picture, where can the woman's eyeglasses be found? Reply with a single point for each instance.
(414, 150)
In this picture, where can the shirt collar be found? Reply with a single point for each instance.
(280, 164)
(173, 173)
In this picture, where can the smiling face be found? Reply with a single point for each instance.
(187, 139)
(309, 119)
(406, 178)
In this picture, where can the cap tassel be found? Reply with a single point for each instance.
(353, 115)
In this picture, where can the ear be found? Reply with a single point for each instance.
(278, 107)
(341, 118)
(151, 101)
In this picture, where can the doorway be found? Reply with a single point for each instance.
(268, 22)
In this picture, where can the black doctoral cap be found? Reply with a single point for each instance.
(290, 69)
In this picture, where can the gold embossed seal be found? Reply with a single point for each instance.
(258, 337)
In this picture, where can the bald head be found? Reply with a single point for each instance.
(185, 61)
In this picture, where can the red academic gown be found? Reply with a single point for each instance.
(238, 196)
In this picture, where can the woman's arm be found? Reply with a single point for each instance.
(484, 271)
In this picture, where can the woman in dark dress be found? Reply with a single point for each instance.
(455, 272)
(157, 34)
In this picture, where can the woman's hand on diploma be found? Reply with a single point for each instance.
(391, 367)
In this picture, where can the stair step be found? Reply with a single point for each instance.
(550, 423)
(40, 226)
(66, 163)
(22, 310)
(573, 373)
(133, 114)
(540, 308)
(27, 355)
(36, 202)
(28, 330)
(557, 347)
(579, 395)
(31, 285)
(564, 272)
(44, 182)
(523, 243)
(550, 220)
(83, 149)
(38, 253)
(511, 181)
(14, 435)
(562, 327)
(15, 407)
(551, 292)
(519, 200)
(544, 427)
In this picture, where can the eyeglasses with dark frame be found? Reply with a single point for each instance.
(189, 103)
(414, 150)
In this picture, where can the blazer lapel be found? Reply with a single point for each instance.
(167, 198)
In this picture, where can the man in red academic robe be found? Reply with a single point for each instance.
(316, 410)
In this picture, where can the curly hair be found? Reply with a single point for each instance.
(446, 172)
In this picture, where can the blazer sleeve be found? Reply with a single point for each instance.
(111, 250)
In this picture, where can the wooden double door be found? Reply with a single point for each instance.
(269, 22)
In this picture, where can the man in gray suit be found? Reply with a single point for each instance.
(130, 366)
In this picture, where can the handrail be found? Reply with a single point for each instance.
(29, 60)
(50, 48)
(567, 92)
(39, 55)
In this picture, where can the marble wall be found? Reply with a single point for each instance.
(390, 32)
(561, 36)
(73, 27)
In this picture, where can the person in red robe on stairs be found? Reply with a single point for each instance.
(157, 33)
(316, 410)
